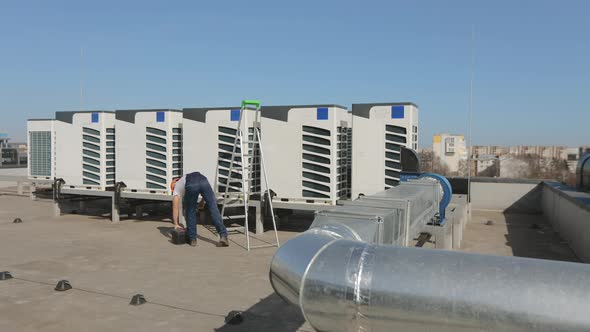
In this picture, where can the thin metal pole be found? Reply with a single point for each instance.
(81, 79)
(470, 122)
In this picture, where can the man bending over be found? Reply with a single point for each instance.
(188, 188)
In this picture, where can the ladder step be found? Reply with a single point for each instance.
(245, 154)
(238, 192)
(237, 172)
(234, 205)
(240, 216)
(238, 195)
(235, 228)
(245, 180)
(263, 246)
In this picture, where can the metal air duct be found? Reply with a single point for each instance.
(344, 284)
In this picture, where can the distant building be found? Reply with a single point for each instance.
(450, 149)
(550, 152)
(487, 165)
(511, 167)
(3, 140)
(496, 150)
(12, 154)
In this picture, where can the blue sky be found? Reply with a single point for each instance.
(532, 71)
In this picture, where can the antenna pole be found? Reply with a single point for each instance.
(81, 79)
(470, 117)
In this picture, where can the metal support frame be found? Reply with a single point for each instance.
(22, 180)
(32, 191)
(116, 197)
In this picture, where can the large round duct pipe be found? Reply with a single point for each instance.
(342, 284)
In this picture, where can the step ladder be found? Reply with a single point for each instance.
(246, 170)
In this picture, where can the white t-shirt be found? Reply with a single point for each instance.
(179, 187)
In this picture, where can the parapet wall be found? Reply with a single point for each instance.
(567, 210)
(507, 195)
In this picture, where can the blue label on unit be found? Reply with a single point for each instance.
(322, 113)
(94, 117)
(160, 116)
(234, 115)
(397, 112)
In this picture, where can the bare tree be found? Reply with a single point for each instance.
(462, 168)
(432, 164)
(557, 169)
(535, 167)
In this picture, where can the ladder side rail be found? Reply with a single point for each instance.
(267, 185)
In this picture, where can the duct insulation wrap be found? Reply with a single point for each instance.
(343, 284)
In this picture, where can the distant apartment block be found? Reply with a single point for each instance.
(3, 140)
(496, 150)
(544, 151)
(450, 149)
(550, 152)
(571, 155)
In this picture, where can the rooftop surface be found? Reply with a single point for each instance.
(186, 288)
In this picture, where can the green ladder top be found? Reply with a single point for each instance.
(250, 102)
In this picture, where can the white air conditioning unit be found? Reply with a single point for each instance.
(85, 149)
(212, 132)
(379, 131)
(148, 149)
(306, 152)
(41, 145)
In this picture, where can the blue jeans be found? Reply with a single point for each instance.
(197, 184)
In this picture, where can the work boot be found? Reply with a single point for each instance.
(223, 242)
(193, 242)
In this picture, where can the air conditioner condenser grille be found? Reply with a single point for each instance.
(40, 153)
(156, 149)
(316, 171)
(395, 139)
(344, 150)
(110, 170)
(91, 151)
(226, 140)
(177, 152)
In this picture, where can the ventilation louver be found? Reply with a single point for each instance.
(155, 152)
(91, 151)
(40, 153)
(316, 162)
(395, 139)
